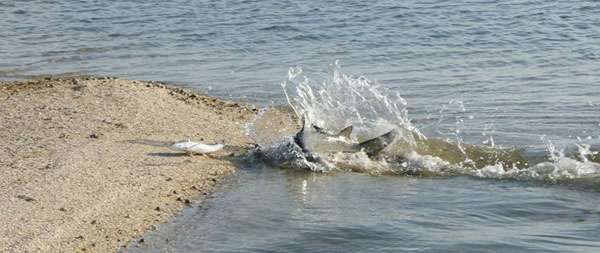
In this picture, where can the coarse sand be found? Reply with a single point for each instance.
(85, 163)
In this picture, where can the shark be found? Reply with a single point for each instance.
(319, 140)
(310, 146)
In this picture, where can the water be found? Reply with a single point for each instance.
(521, 67)
(496, 74)
(270, 210)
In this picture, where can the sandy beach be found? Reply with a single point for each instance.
(85, 163)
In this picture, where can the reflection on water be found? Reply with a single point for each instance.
(266, 209)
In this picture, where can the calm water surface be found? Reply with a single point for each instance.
(522, 72)
(270, 210)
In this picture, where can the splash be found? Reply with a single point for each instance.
(333, 100)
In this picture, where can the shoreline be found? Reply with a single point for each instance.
(86, 165)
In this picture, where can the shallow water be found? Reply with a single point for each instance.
(489, 73)
(272, 210)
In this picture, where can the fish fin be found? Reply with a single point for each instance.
(373, 146)
(298, 136)
(346, 132)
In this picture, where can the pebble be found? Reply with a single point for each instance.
(26, 198)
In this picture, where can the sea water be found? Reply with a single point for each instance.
(495, 74)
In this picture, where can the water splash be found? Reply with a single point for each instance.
(333, 100)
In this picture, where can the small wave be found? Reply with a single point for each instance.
(14, 72)
(414, 164)
(563, 168)
(307, 37)
(280, 28)
(87, 50)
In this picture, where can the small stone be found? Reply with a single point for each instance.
(187, 201)
(78, 87)
(79, 237)
(26, 198)
(169, 179)
(94, 135)
(178, 199)
(157, 208)
(141, 240)
(62, 209)
(93, 222)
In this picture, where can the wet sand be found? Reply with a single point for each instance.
(85, 163)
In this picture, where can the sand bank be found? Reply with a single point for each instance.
(85, 164)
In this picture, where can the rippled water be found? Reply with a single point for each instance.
(528, 67)
(507, 73)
